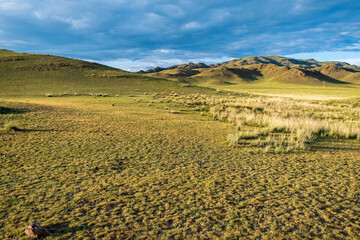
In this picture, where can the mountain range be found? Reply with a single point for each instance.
(270, 68)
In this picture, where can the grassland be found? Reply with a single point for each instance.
(87, 169)
(92, 152)
(293, 91)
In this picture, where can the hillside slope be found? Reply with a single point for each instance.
(271, 69)
(23, 74)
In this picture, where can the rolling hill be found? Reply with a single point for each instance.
(36, 74)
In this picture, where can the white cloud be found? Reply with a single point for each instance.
(353, 61)
(166, 51)
(79, 23)
(219, 15)
(170, 10)
(71, 13)
(192, 26)
(39, 15)
(211, 60)
(352, 57)
(299, 5)
(13, 5)
(153, 17)
(160, 58)
(75, 23)
(12, 43)
(124, 64)
(354, 46)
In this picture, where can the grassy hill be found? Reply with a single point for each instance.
(23, 74)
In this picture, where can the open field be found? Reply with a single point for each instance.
(150, 167)
(293, 91)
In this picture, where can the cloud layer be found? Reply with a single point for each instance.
(142, 33)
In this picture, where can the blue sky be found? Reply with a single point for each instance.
(140, 34)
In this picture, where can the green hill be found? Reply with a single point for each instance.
(23, 74)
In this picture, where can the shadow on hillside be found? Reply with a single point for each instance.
(249, 75)
(322, 77)
(59, 229)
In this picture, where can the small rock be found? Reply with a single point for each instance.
(36, 231)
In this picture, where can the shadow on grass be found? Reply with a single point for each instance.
(39, 130)
(17, 129)
(60, 229)
(4, 110)
(335, 144)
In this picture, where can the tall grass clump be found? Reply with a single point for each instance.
(278, 124)
(233, 139)
(296, 131)
(10, 126)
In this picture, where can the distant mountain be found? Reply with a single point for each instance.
(271, 68)
(251, 60)
(181, 66)
(282, 61)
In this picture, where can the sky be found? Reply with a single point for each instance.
(142, 34)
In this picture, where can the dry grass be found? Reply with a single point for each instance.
(281, 124)
(10, 126)
(88, 170)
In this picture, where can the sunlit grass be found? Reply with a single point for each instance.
(115, 168)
